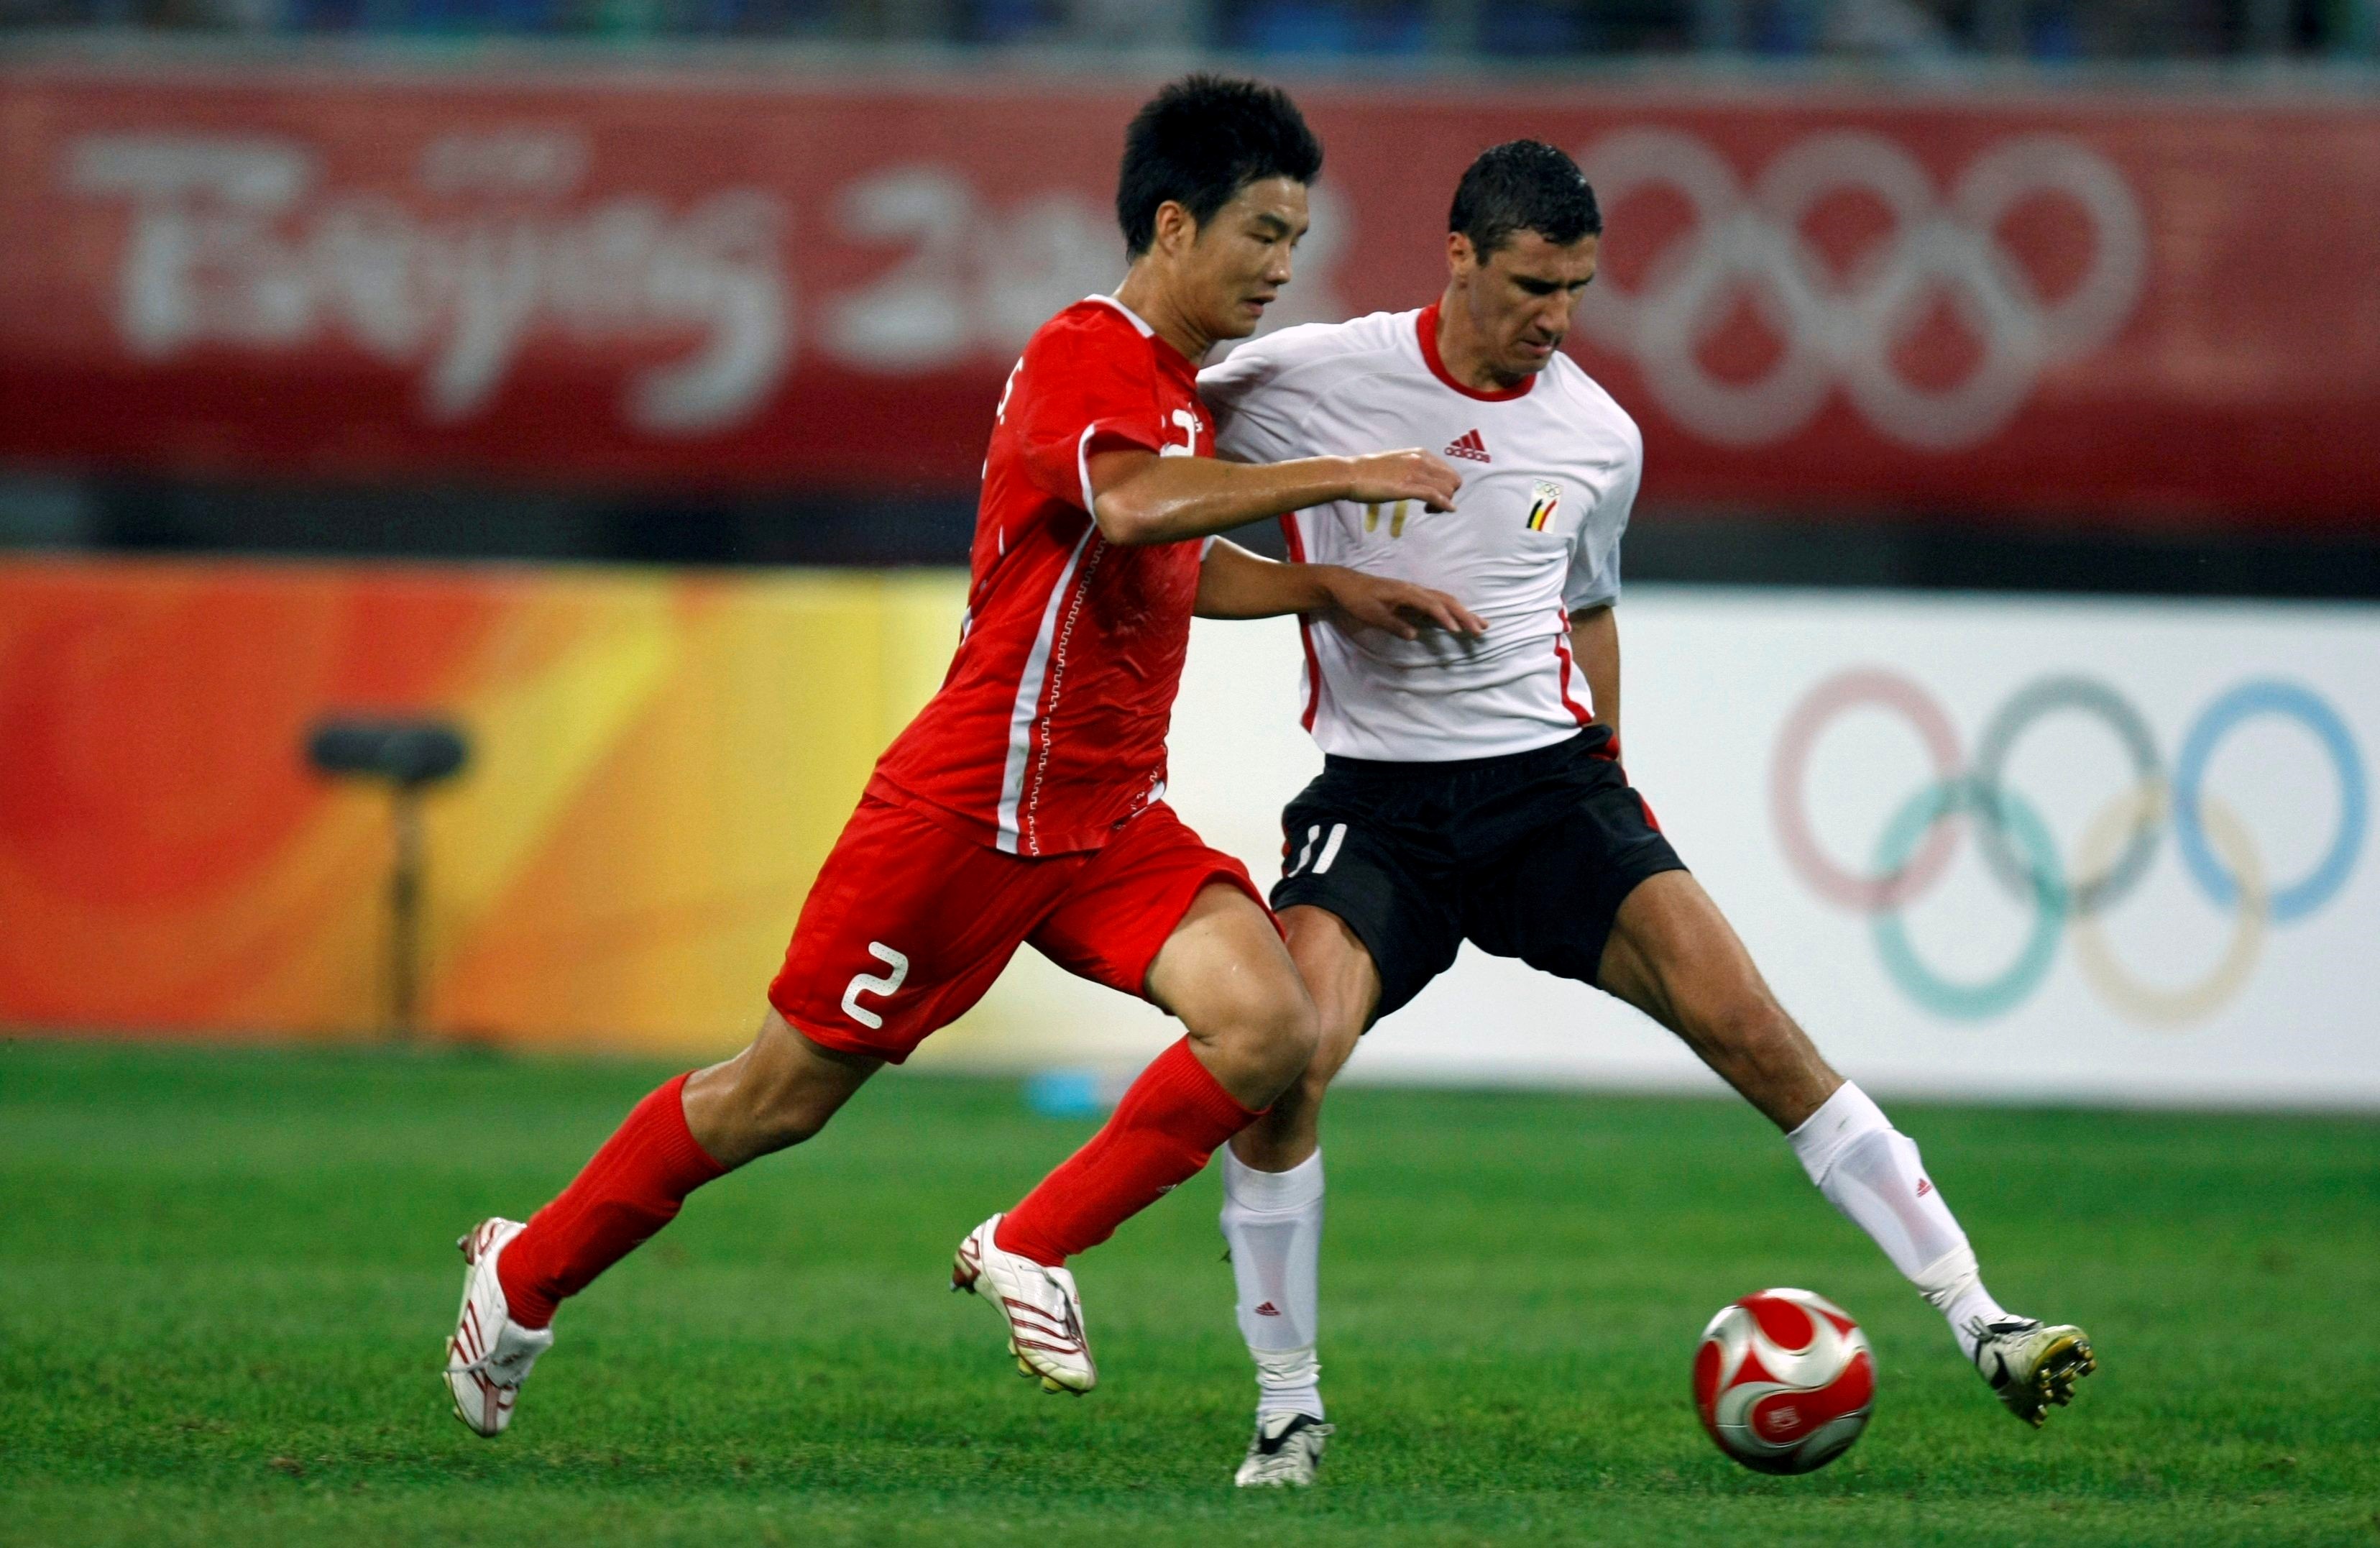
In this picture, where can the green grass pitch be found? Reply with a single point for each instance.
(228, 1276)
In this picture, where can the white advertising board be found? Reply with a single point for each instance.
(2091, 852)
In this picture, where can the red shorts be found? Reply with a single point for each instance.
(908, 923)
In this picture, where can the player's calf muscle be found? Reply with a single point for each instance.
(1674, 956)
(1760, 1052)
(1339, 974)
(778, 1093)
(1740, 1031)
(1292, 1129)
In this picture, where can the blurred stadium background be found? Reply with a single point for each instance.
(608, 378)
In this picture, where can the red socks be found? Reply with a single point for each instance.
(1163, 1130)
(631, 1189)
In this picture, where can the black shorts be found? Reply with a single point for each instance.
(1529, 855)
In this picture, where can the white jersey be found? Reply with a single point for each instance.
(1549, 470)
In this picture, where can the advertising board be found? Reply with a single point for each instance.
(1992, 848)
(2093, 307)
(2004, 849)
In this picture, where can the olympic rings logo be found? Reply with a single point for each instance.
(1918, 840)
(1754, 249)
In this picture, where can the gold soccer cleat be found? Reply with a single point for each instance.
(2031, 1366)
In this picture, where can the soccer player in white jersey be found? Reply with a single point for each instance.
(1473, 789)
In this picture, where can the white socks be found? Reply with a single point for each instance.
(1867, 1168)
(1870, 1172)
(1273, 1223)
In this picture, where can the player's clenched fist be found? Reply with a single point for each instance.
(1410, 474)
(1399, 607)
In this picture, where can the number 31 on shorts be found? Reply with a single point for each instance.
(870, 983)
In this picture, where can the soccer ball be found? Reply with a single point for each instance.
(1784, 1381)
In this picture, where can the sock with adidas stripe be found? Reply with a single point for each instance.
(1273, 1221)
(1872, 1172)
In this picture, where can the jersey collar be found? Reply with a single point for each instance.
(1138, 326)
(1166, 352)
(1426, 326)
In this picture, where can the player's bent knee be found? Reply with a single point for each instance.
(1285, 1027)
(1268, 1026)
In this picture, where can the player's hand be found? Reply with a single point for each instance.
(1379, 477)
(1399, 607)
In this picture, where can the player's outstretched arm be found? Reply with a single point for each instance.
(1139, 498)
(1234, 583)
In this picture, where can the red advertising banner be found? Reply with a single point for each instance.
(2118, 308)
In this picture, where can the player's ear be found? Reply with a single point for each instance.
(1176, 229)
(1460, 257)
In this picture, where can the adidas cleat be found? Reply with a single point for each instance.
(1040, 1304)
(490, 1355)
(2031, 1366)
(1285, 1453)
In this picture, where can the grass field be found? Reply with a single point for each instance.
(227, 1277)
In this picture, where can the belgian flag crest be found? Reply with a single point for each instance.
(1545, 499)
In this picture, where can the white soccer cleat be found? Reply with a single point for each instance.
(1043, 1313)
(1285, 1453)
(490, 1356)
(2031, 1366)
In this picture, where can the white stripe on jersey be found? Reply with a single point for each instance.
(1083, 472)
(1029, 698)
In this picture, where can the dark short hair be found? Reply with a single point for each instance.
(1200, 141)
(1523, 185)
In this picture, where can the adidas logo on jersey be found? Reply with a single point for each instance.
(1267, 1310)
(1469, 444)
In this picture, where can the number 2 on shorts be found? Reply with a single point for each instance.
(869, 984)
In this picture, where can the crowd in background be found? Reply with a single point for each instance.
(1916, 30)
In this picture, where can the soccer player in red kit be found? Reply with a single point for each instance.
(1026, 801)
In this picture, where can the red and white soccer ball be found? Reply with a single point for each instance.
(1784, 1381)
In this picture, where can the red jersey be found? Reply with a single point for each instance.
(1048, 733)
